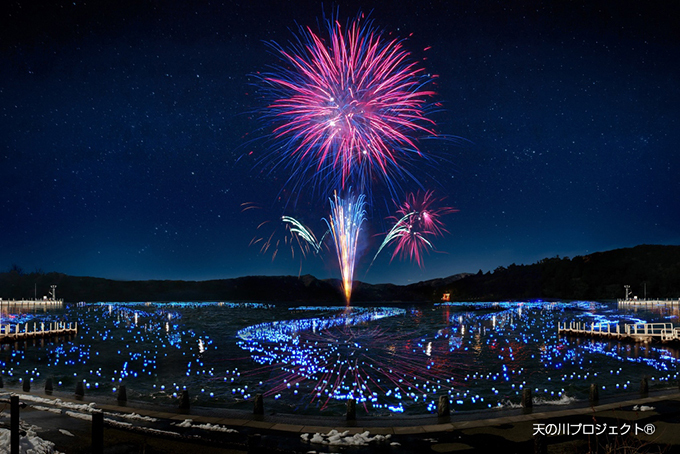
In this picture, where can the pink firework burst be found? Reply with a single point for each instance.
(418, 220)
(347, 106)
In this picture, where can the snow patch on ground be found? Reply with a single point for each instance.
(643, 408)
(88, 408)
(335, 438)
(29, 444)
(188, 423)
(50, 409)
(82, 408)
(508, 404)
(119, 424)
(140, 429)
(74, 414)
(132, 416)
(563, 400)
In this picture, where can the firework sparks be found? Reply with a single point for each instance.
(344, 224)
(349, 106)
(300, 231)
(297, 236)
(400, 229)
(420, 219)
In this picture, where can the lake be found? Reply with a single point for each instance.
(391, 359)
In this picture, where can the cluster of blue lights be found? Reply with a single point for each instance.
(313, 358)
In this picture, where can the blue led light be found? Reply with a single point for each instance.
(312, 357)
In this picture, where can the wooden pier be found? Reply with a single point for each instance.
(638, 332)
(9, 333)
(31, 303)
(649, 302)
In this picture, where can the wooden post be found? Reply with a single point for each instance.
(97, 432)
(258, 405)
(14, 424)
(527, 402)
(644, 387)
(443, 409)
(540, 444)
(594, 394)
(122, 394)
(253, 443)
(184, 403)
(351, 410)
(80, 390)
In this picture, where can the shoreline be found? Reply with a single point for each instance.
(175, 430)
(243, 417)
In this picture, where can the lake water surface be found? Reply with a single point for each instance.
(310, 360)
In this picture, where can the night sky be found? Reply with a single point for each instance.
(130, 135)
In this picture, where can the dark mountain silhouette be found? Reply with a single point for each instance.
(600, 275)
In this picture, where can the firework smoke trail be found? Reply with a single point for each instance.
(420, 219)
(347, 107)
(344, 224)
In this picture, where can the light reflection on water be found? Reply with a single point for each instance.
(312, 359)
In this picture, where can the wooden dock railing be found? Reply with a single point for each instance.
(639, 332)
(649, 302)
(41, 330)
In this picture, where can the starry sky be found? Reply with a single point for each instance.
(130, 136)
